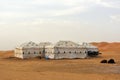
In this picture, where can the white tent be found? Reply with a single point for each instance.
(27, 50)
(91, 50)
(65, 49)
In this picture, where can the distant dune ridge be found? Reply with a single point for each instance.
(4, 54)
(105, 46)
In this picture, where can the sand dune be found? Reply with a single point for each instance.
(105, 46)
(5, 54)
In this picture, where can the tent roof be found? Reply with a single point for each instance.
(71, 44)
(43, 44)
(28, 45)
(87, 45)
(64, 44)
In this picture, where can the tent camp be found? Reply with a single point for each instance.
(59, 50)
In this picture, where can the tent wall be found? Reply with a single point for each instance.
(70, 53)
(32, 52)
(60, 53)
(49, 53)
(27, 53)
(18, 53)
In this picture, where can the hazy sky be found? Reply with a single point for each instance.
(54, 20)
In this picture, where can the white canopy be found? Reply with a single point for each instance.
(43, 44)
(87, 45)
(64, 44)
(28, 45)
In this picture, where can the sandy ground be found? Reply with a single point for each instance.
(76, 69)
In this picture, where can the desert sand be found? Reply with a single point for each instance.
(67, 69)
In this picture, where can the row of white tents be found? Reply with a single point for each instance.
(59, 50)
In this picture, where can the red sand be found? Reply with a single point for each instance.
(76, 69)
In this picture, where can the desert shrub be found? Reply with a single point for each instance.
(111, 61)
(103, 61)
